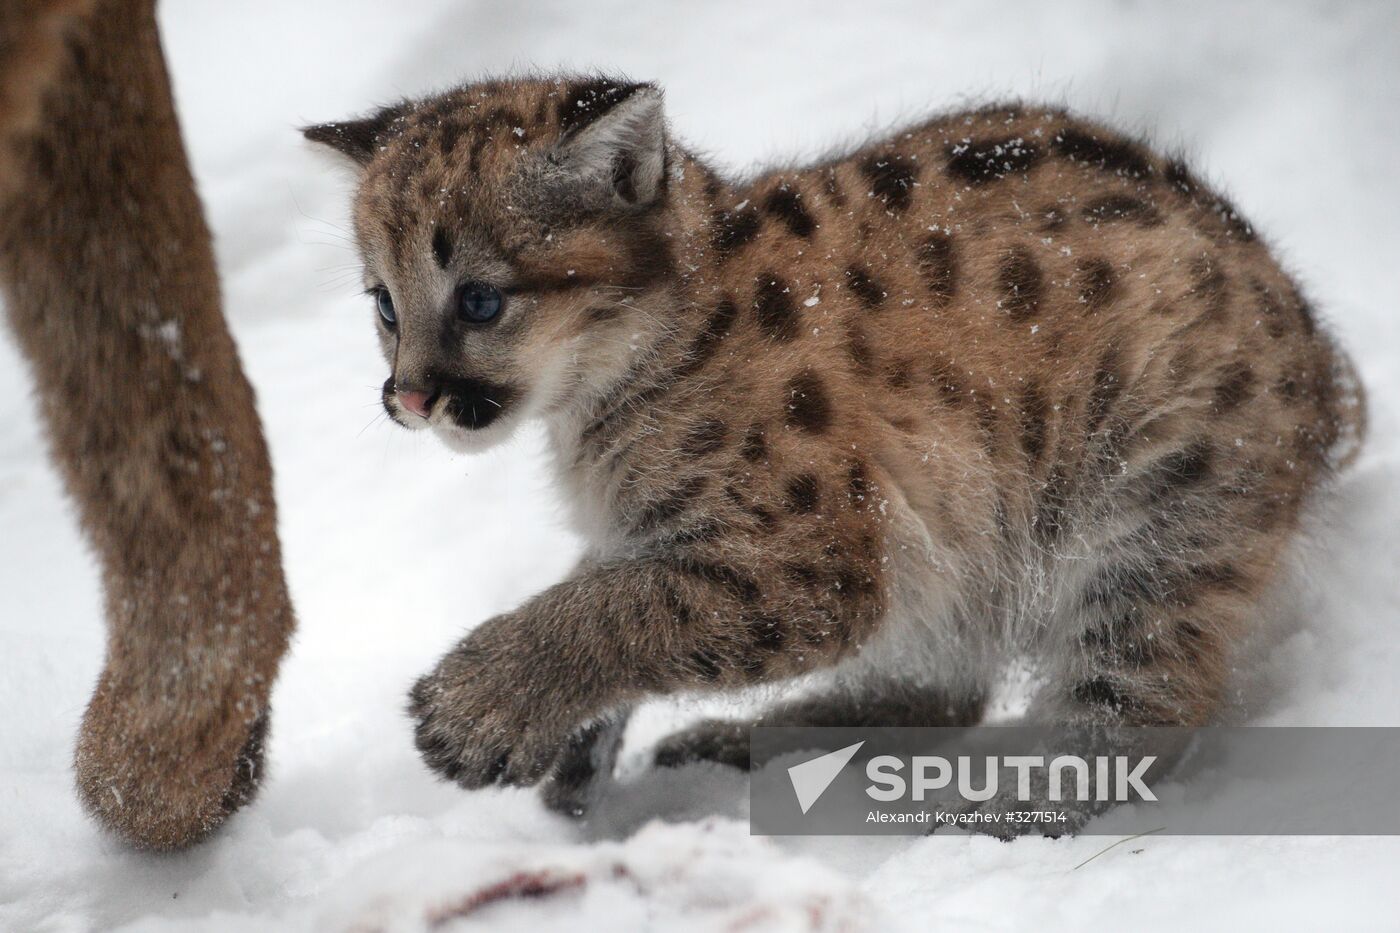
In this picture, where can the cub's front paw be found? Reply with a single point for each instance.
(484, 718)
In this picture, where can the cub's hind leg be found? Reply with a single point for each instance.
(889, 703)
(1150, 627)
(1151, 611)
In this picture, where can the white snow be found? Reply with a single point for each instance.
(394, 546)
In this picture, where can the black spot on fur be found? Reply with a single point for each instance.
(1108, 386)
(1021, 283)
(869, 291)
(803, 494)
(868, 546)
(808, 407)
(981, 162)
(857, 484)
(487, 129)
(698, 533)
(1035, 409)
(442, 247)
(706, 665)
(720, 575)
(950, 386)
(1100, 691)
(774, 307)
(1228, 220)
(671, 504)
(1121, 207)
(899, 374)
(1271, 307)
(717, 327)
(1103, 152)
(733, 230)
(892, 178)
(854, 583)
(1192, 641)
(1122, 587)
(766, 633)
(1211, 285)
(755, 444)
(585, 101)
(786, 205)
(498, 118)
(803, 577)
(1217, 575)
(541, 113)
(1177, 471)
(1236, 388)
(631, 396)
(705, 438)
(767, 521)
(1097, 283)
(1125, 586)
(938, 264)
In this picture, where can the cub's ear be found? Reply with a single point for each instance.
(615, 136)
(358, 139)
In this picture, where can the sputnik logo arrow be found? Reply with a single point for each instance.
(811, 778)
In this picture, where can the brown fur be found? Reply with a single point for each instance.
(112, 294)
(1002, 382)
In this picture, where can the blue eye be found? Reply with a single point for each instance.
(385, 303)
(478, 302)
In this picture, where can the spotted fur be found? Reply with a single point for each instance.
(1005, 382)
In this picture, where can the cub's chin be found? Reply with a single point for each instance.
(475, 440)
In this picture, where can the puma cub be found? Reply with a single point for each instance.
(1002, 384)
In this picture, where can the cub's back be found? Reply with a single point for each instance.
(1039, 293)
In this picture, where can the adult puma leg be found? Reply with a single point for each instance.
(112, 294)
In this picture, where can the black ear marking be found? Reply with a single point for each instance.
(614, 140)
(586, 101)
(357, 139)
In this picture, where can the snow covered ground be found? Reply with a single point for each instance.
(1293, 105)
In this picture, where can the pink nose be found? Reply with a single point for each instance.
(420, 403)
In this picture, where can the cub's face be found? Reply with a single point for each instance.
(514, 239)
